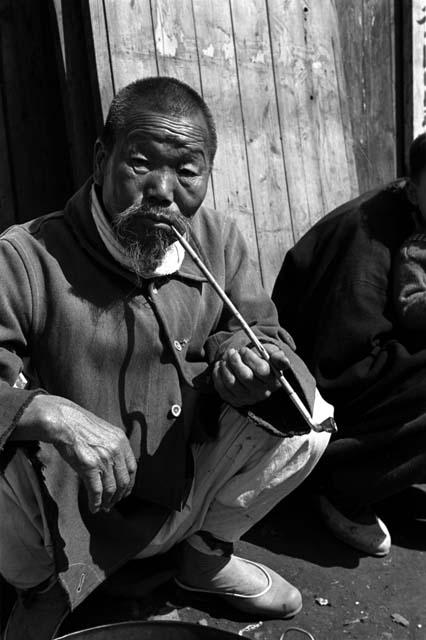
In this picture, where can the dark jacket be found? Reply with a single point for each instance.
(137, 356)
(334, 294)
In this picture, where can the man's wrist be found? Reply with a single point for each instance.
(36, 421)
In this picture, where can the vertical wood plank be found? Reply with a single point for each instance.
(131, 41)
(379, 52)
(351, 28)
(414, 70)
(175, 41)
(261, 128)
(176, 49)
(342, 93)
(332, 128)
(99, 39)
(220, 89)
(292, 62)
(368, 53)
(418, 21)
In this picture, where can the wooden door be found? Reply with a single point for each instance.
(271, 73)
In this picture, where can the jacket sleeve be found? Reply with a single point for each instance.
(410, 283)
(16, 317)
(256, 307)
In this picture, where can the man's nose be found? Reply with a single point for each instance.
(160, 186)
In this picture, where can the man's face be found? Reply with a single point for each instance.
(157, 173)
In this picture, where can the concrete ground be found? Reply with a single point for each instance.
(346, 595)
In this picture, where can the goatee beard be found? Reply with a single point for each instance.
(144, 245)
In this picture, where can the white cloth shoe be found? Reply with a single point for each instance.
(369, 534)
(245, 585)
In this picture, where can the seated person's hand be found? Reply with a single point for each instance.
(98, 451)
(242, 377)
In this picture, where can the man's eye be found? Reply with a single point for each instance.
(139, 164)
(186, 172)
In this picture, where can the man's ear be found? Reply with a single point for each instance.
(412, 193)
(100, 157)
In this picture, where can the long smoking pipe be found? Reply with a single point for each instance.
(328, 424)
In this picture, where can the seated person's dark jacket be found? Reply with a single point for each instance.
(334, 294)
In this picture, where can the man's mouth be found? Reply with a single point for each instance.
(156, 219)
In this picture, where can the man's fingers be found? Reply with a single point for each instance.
(130, 459)
(93, 483)
(231, 381)
(258, 366)
(123, 469)
(131, 466)
(262, 368)
(122, 481)
(225, 392)
(109, 487)
(238, 369)
(277, 357)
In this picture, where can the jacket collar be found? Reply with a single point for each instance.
(78, 215)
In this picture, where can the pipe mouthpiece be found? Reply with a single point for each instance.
(179, 226)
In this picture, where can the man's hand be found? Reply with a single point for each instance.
(243, 377)
(99, 452)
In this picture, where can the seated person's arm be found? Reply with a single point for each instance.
(99, 452)
(241, 377)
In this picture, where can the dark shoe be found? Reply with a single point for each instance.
(245, 585)
(363, 531)
(37, 613)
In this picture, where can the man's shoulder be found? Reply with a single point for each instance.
(33, 227)
(382, 213)
(32, 232)
(389, 199)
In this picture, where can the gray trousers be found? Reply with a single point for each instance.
(238, 478)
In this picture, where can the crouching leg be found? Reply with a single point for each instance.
(239, 479)
(26, 556)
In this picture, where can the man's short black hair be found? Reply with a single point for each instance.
(417, 157)
(161, 94)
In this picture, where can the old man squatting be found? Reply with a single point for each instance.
(149, 420)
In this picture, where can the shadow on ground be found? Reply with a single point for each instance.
(362, 597)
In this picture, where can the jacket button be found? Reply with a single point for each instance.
(176, 410)
(178, 345)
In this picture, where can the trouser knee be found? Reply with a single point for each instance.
(26, 557)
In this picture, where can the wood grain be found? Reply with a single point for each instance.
(289, 83)
(221, 92)
(99, 37)
(131, 41)
(332, 128)
(368, 53)
(265, 158)
(379, 48)
(292, 62)
(414, 71)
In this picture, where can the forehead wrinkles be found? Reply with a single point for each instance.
(165, 128)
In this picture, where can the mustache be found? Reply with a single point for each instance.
(152, 211)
